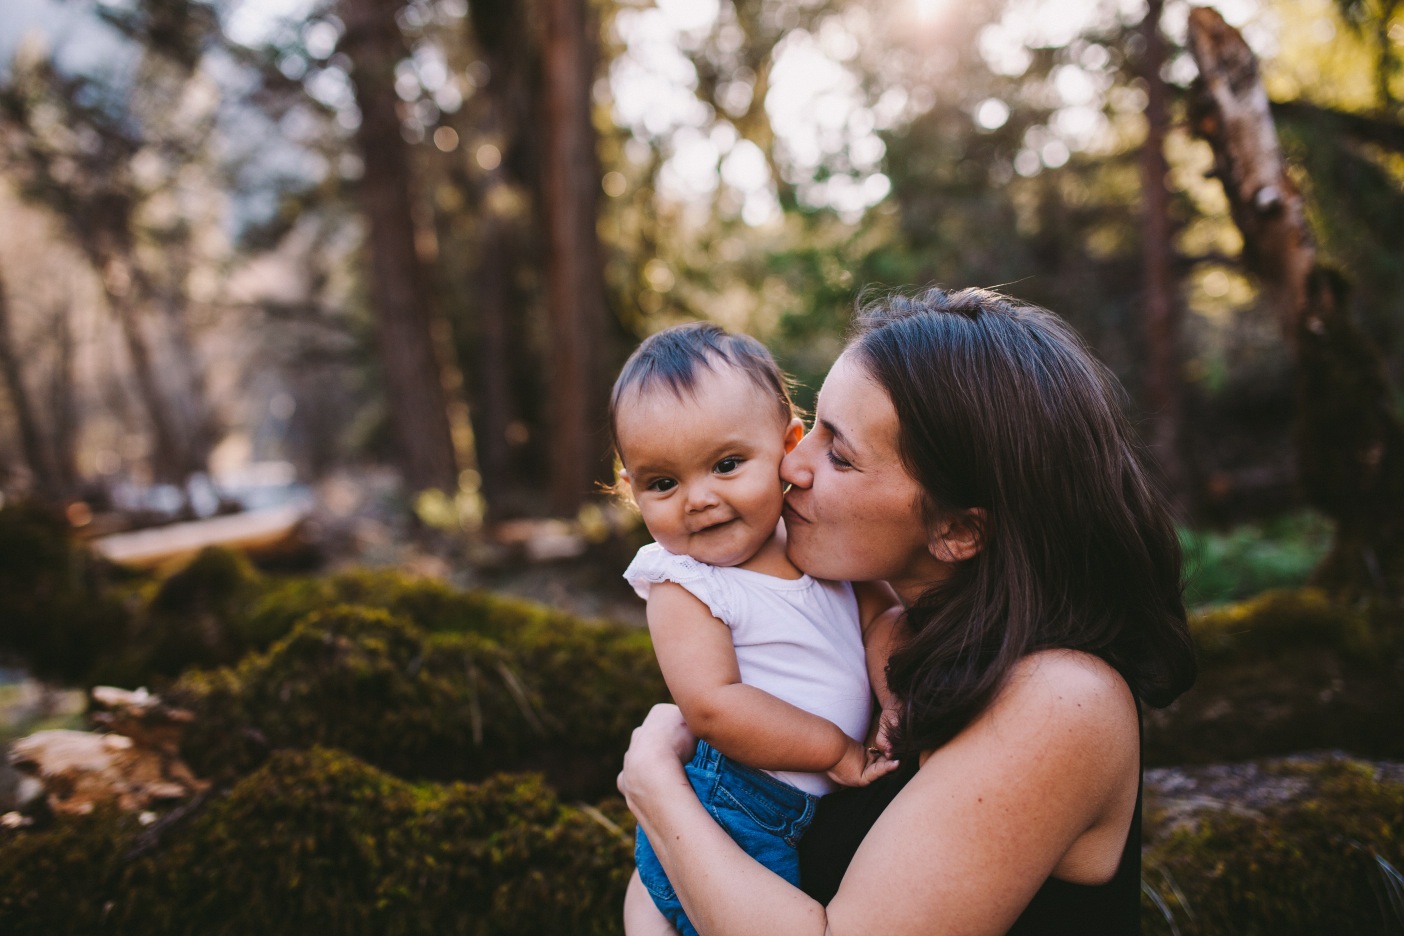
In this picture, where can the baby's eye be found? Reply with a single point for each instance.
(662, 485)
(836, 460)
(727, 465)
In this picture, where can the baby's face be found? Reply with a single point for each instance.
(705, 468)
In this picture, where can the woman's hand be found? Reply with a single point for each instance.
(657, 751)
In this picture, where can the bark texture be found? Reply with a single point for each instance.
(1162, 319)
(503, 360)
(32, 444)
(414, 388)
(575, 287)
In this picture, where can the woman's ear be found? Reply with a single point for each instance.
(959, 536)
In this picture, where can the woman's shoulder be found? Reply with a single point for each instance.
(1073, 675)
(1071, 689)
(1066, 701)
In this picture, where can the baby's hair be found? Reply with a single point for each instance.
(673, 356)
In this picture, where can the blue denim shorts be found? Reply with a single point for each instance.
(765, 816)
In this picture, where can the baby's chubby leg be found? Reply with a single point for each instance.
(641, 916)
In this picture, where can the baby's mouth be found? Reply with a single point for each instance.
(712, 527)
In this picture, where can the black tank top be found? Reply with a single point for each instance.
(1060, 907)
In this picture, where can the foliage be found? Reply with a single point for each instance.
(450, 705)
(55, 612)
(1328, 864)
(317, 841)
(1253, 557)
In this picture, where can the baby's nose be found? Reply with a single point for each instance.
(700, 497)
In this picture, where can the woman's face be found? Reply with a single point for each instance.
(853, 512)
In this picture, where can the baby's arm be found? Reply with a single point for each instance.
(745, 723)
(881, 616)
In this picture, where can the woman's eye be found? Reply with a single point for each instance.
(837, 461)
(727, 465)
(662, 485)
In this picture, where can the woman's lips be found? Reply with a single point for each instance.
(791, 514)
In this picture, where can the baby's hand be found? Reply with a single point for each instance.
(860, 766)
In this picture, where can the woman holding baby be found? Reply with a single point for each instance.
(969, 452)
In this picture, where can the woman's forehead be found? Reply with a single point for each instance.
(855, 407)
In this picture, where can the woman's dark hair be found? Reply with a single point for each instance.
(1001, 407)
(673, 356)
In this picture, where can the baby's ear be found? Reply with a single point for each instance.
(793, 433)
(959, 536)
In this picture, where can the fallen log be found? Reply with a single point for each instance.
(252, 531)
(1349, 436)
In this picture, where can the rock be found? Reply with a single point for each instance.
(1177, 798)
(141, 716)
(80, 769)
(134, 763)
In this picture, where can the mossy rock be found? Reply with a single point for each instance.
(1329, 862)
(195, 616)
(57, 879)
(318, 841)
(430, 604)
(1285, 672)
(55, 612)
(442, 706)
(1284, 620)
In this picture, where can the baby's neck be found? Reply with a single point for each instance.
(770, 559)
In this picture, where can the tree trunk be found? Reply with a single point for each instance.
(36, 455)
(504, 362)
(168, 461)
(1161, 308)
(1350, 440)
(414, 387)
(63, 412)
(575, 289)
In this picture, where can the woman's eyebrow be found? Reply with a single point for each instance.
(834, 431)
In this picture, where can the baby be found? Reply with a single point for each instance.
(767, 664)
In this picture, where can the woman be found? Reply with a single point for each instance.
(968, 451)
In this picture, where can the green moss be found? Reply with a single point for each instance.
(53, 878)
(317, 841)
(55, 613)
(1280, 621)
(195, 617)
(1328, 864)
(429, 604)
(445, 706)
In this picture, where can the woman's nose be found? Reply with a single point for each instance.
(796, 468)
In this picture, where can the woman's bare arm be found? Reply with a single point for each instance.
(1043, 782)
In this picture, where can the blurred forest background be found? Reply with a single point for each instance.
(369, 267)
(310, 235)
